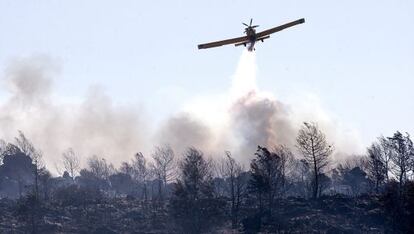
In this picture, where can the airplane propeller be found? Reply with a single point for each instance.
(250, 25)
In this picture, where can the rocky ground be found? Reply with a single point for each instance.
(334, 214)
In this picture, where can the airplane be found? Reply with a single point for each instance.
(251, 36)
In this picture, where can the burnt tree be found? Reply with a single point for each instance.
(312, 143)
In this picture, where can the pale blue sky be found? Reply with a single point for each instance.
(356, 56)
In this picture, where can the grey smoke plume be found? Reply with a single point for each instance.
(184, 130)
(29, 81)
(261, 121)
(96, 126)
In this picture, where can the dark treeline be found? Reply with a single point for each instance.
(279, 192)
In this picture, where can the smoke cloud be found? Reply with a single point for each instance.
(247, 116)
(184, 130)
(237, 121)
(95, 126)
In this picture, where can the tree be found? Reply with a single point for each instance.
(324, 183)
(71, 162)
(25, 145)
(232, 171)
(17, 167)
(266, 177)
(100, 168)
(122, 183)
(97, 175)
(27, 148)
(192, 204)
(312, 143)
(356, 179)
(196, 174)
(385, 156)
(163, 167)
(299, 178)
(126, 168)
(31, 208)
(286, 164)
(90, 180)
(401, 157)
(376, 165)
(44, 179)
(141, 172)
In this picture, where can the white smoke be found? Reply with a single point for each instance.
(247, 116)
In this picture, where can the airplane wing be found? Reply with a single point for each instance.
(258, 39)
(279, 28)
(224, 42)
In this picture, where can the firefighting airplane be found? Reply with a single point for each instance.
(251, 36)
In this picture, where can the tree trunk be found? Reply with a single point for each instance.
(270, 202)
(160, 196)
(233, 203)
(36, 183)
(260, 202)
(316, 186)
(400, 184)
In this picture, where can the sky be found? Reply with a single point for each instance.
(355, 57)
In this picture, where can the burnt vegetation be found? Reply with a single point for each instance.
(282, 190)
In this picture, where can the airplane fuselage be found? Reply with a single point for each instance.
(251, 34)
